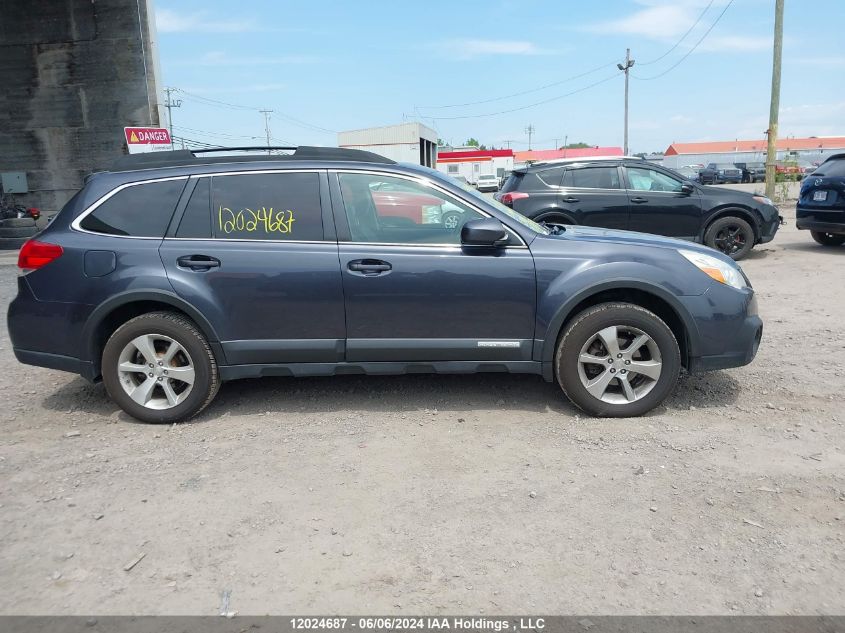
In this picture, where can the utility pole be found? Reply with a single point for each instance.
(628, 63)
(565, 143)
(169, 104)
(508, 143)
(530, 131)
(266, 114)
(772, 132)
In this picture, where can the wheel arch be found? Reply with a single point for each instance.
(554, 211)
(727, 211)
(111, 314)
(643, 294)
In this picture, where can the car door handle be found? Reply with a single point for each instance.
(570, 199)
(639, 200)
(198, 262)
(369, 266)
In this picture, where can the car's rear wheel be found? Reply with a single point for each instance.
(617, 360)
(731, 235)
(828, 239)
(158, 367)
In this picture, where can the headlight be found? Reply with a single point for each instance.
(763, 200)
(715, 268)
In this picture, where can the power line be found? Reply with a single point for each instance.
(530, 105)
(690, 51)
(683, 37)
(234, 106)
(521, 93)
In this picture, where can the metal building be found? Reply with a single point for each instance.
(74, 74)
(406, 143)
(810, 150)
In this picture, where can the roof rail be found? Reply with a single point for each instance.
(187, 157)
(584, 159)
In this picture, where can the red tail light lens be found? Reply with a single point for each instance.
(508, 198)
(35, 254)
(33, 212)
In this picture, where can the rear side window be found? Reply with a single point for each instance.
(267, 207)
(833, 168)
(592, 178)
(534, 180)
(142, 210)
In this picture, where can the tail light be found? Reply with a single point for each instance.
(34, 213)
(509, 197)
(35, 254)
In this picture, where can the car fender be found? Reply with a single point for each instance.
(732, 209)
(614, 276)
(98, 315)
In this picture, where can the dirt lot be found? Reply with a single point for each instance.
(432, 494)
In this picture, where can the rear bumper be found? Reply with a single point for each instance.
(807, 224)
(56, 361)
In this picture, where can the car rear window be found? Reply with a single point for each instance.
(513, 181)
(140, 210)
(834, 168)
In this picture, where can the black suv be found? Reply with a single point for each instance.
(177, 271)
(821, 202)
(752, 172)
(720, 174)
(633, 194)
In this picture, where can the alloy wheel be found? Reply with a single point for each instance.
(156, 371)
(619, 364)
(730, 239)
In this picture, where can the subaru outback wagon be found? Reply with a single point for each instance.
(176, 271)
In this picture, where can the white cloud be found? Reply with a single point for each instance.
(742, 43)
(832, 61)
(476, 48)
(170, 21)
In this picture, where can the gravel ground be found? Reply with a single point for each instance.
(439, 494)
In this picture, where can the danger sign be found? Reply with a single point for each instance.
(147, 139)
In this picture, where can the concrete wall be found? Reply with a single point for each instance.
(73, 74)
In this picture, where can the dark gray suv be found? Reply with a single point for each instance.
(177, 271)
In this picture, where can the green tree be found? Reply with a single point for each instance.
(580, 145)
(472, 142)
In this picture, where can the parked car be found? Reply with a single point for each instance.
(628, 193)
(177, 271)
(788, 170)
(821, 202)
(752, 172)
(487, 182)
(720, 173)
(688, 173)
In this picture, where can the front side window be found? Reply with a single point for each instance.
(643, 179)
(282, 206)
(592, 178)
(142, 210)
(389, 210)
(196, 220)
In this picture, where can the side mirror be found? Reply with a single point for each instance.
(484, 232)
(687, 189)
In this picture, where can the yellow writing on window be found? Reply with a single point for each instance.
(261, 220)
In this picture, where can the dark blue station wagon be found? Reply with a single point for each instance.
(179, 270)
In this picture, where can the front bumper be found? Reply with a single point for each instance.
(729, 328)
(769, 228)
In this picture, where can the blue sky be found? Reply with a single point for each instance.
(328, 66)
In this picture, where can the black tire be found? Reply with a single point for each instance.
(553, 218)
(584, 327)
(17, 222)
(730, 235)
(12, 243)
(184, 332)
(27, 231)
(828, 239)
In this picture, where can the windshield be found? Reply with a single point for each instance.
(513, 215)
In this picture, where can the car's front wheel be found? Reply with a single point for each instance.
(828, 239)
(731, 235)
(617, 360)
(158, 367)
